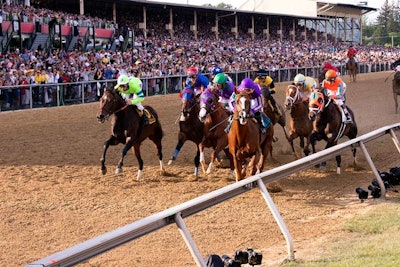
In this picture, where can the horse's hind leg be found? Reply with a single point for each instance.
(112, 141)
(396, 104)
(136, 151)
(158, 144)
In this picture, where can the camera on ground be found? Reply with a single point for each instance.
(248, 256)
(229, 262)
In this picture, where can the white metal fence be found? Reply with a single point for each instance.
(112, 239)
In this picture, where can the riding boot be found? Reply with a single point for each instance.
(261, 123)
(145, 119)
(347, 114)
(228, 127)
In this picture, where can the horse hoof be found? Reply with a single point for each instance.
(170, 162)
(103, 171)
(322, 168)
(338, 170)
(118, 170)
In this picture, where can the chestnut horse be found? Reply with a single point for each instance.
(352, 69)
(328, 125)
(246, 141)
(215, 120)
(396, 89)
(127, 128)
(190, 127)
(299, 124)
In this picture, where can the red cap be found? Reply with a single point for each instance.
(328, 66)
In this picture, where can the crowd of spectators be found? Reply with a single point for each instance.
(159, 55)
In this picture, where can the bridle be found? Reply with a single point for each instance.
(106, 110)
(291, 100)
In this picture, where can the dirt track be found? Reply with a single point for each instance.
(53, 195)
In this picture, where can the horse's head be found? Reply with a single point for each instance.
(316, 104)
(208, 102)
(189, 101)
(110, 103)
(292, 96)
(242, 107)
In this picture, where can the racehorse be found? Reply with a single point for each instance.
(190, 127)
(127, 128)
(269, 110)
(328, 124)
(299, 124)
(352, 69)
(246, 141)
(215, 120)
(396, 89)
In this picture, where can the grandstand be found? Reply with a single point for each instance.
(297, 21)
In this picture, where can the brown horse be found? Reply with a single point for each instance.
(246, 141)
(396, 89)
(127, 128)
(215, 120)
(190, 127)
(352, 69)
(327, 124)
(299, 124)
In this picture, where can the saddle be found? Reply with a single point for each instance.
(346, 118)
(148, 114)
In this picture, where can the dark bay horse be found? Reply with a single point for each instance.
(327, 123)
(246, 141)
(269, 111)
(396, 89)
(300, 126)
(215, 120)
(190, 127)
(352, 69)
(127, 128)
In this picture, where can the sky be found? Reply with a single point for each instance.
(237, 3)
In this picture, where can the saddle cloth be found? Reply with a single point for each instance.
(150, 116)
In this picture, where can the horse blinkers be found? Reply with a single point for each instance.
(316, 105)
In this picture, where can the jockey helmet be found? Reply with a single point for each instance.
(216, 70)
(246, 84)
(299, 79)
(122, 80)
(193, 71)
(220, 78)
(262, 73)
(330, 74)
(327, 66)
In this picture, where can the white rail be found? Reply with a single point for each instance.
(112, 239)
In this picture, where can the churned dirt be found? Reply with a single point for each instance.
(54, 196)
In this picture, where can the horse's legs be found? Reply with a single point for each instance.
(202, 160)
(136, 151)
(176, 151)
(396, 104)
(111, 141)
(125, 150)
(231, 164)
(158, 144)
(197, 161)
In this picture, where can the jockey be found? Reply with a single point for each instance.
(351, 53)
(256, 104)
(128, 86)
(216, 70)
(335, 88)
(306, 85)
(224, 89)
(195, 81)
(263, 80)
